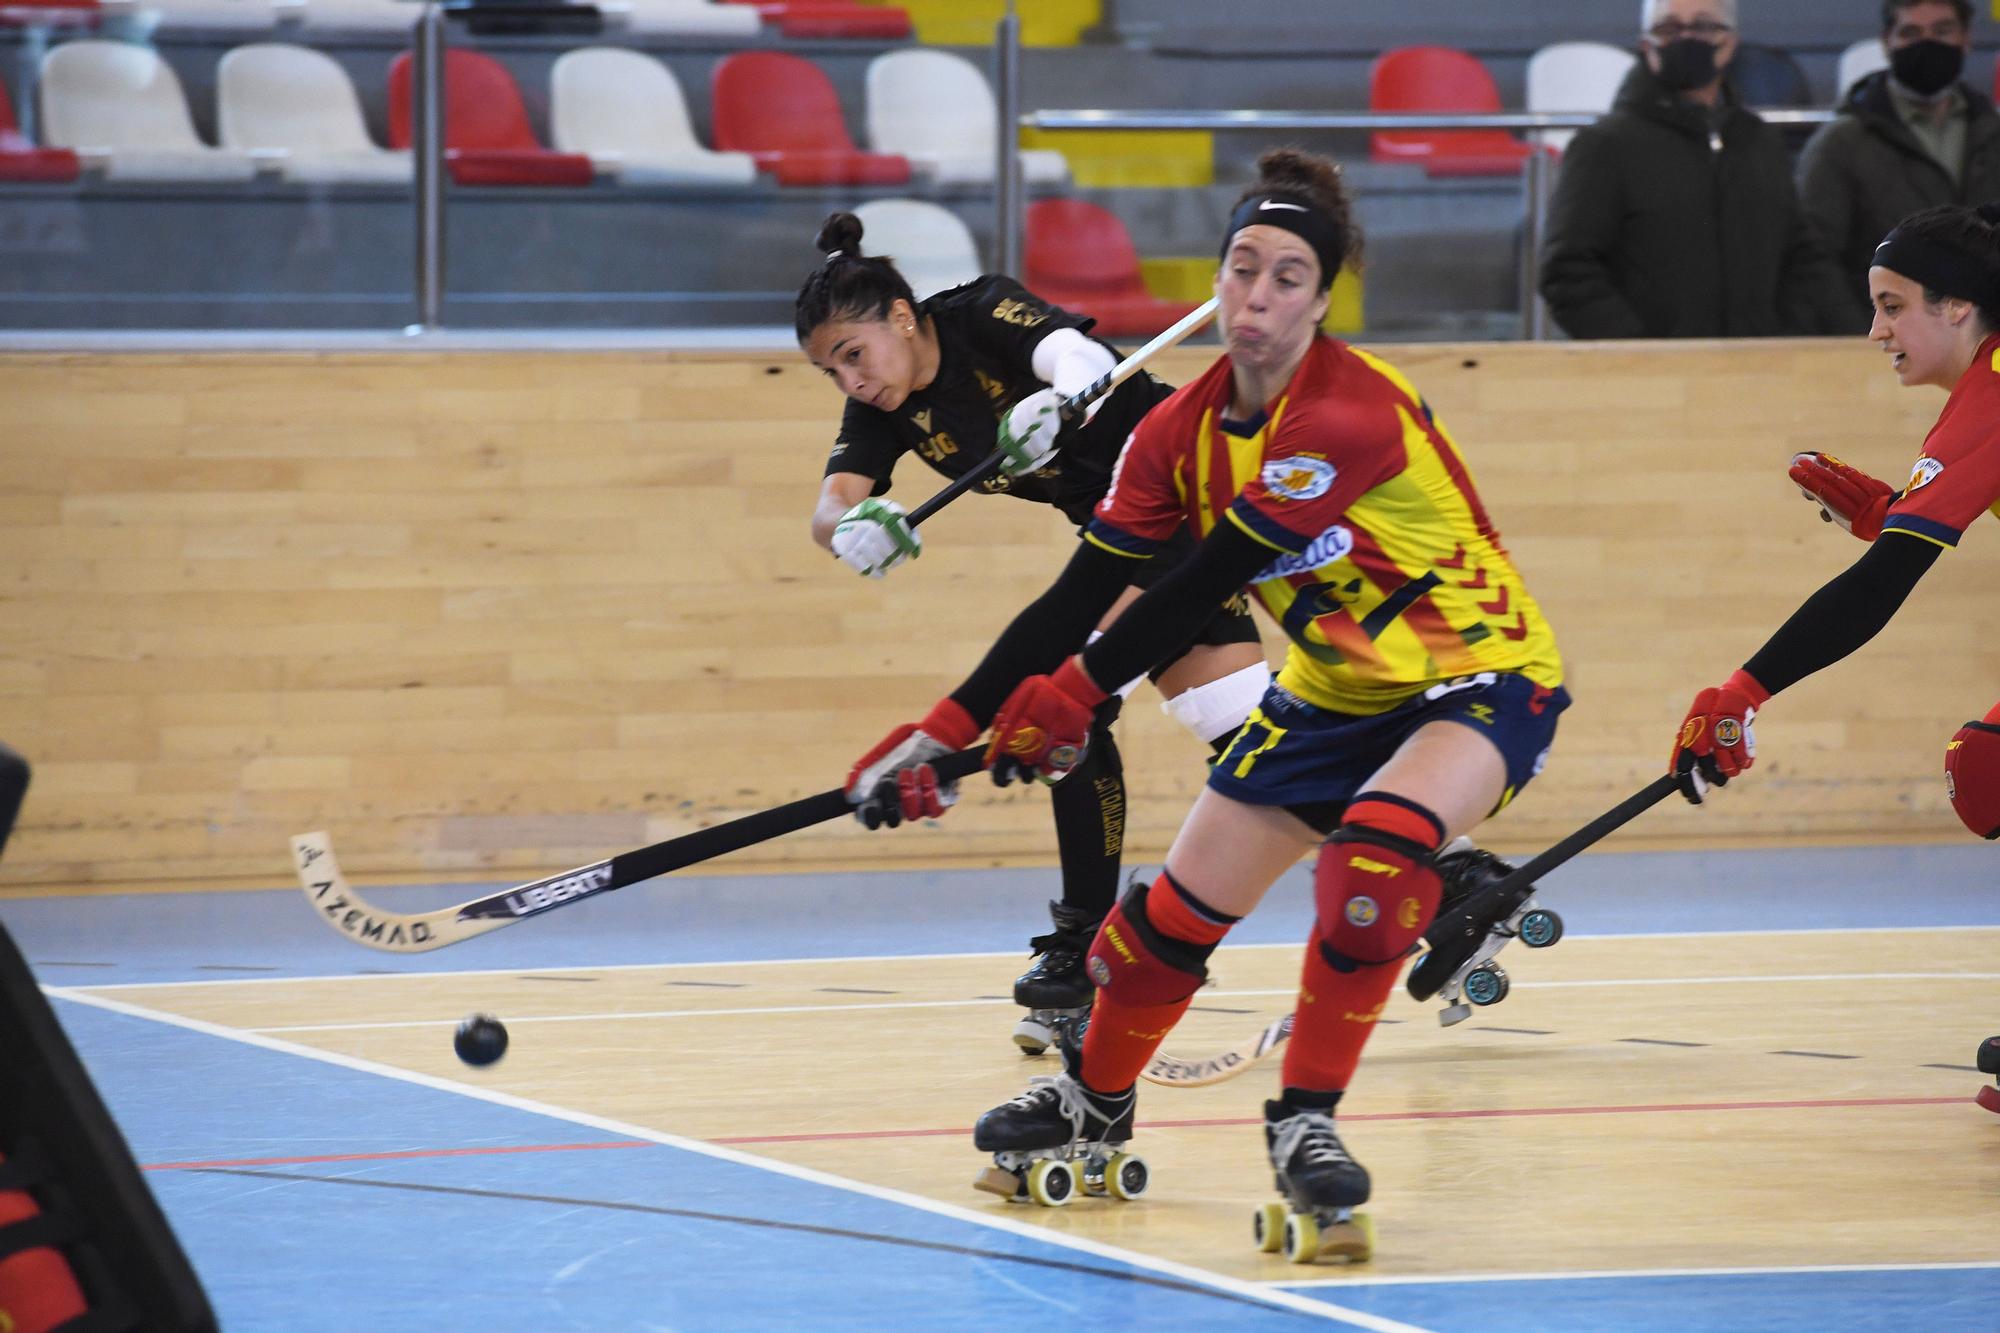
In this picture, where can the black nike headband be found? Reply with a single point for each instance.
(1939, 268)
(1293, 213)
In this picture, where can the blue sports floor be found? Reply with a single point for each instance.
(320, 1190)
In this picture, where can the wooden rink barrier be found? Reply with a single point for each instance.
(496, 613)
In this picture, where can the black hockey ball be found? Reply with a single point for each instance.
(481, 1040)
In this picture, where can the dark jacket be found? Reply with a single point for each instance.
(1865, 171)
(1663, 227)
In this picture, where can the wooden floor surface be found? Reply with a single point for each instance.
(1637, 1103)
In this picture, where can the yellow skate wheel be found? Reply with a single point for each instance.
(1268, 1226)
(1352, 1240)
(1301, 1238)
(1126, 1176)
(1051, 1183)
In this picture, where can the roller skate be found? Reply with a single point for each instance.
(1322, 1186)
(1470, 930)
(1055, 990)
(1989, 1063)
(1057, 1138)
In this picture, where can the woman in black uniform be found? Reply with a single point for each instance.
(953, 377)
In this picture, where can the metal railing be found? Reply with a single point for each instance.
(1536, 175)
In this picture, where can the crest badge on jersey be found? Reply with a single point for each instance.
(1923, 474)
(1298, 478)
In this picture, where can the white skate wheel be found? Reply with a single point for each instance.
(1033, 1036)
(1126, 1176)
(1051, 1183)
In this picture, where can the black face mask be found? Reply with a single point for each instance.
(1686, 63)
(1927, 68)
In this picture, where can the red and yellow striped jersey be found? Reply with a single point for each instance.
(1386, 573)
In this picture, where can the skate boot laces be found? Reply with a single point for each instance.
(1071, 1101)
(1311, 1134)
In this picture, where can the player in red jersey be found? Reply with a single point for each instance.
(1935, 285)
(1420, 693)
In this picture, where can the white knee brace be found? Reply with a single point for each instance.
(1219, 707)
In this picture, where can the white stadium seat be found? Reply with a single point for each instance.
(683, 18)
(931, 248)
(120, 106)
(626, 111)
(936, 109)
(275, 97)
(1574, 76)
(1857, 62)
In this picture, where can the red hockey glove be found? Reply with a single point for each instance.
(1044, 727)
(1716, 742)
(895, 781)
(1845, 495)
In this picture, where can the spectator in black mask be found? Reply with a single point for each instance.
(1675, 216)
(1907, 138)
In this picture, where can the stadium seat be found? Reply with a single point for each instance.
(930, 246)
(625, 109)
(683, 18)
(1082, 258)
(1857, 62)
(23, 161)
(360, 16)
(936, 109)
(1767, 76)
(1574, 76)
(784, 112)
(1440, 79)
(123, 104)
(488, 140)
(274, 97)
(832, 18)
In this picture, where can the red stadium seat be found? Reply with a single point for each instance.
(1081, 257)
(23, 161)
(784, 112)
(1440, 79)
(832, 18)
(488, 140)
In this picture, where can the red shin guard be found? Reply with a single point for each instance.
(1148, 961)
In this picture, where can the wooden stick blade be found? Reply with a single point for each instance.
(346, 911)
(1173, 1072)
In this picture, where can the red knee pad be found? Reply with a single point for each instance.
(1972, 774)
(1375, 894)
(1135, 964)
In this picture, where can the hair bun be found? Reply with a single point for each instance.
(839, 234)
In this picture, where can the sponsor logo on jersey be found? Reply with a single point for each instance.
(1923, 474)
(1362, 911)
(1333, 544)
(1300, 477)
(1019, 312)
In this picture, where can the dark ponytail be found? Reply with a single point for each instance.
(847, 284)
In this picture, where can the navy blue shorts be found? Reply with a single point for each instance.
(1312, 761)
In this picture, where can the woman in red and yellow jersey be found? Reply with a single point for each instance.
(1420, 692)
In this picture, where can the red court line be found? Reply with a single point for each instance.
(1492, 1114)
(1498, 1113)
(396, 1156)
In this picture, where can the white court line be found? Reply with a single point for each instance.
(936, 957)
(1614, 1273)
(968, 1004)
(1184, 1272)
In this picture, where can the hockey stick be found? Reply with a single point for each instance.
(1456, 938)
(419, 932)
(1072, 406)
(1466, 925)
(1173, 1072)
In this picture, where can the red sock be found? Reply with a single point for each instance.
(1122, 1036)
(1337, 1010)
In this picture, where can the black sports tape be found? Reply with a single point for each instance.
(1409, 847)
